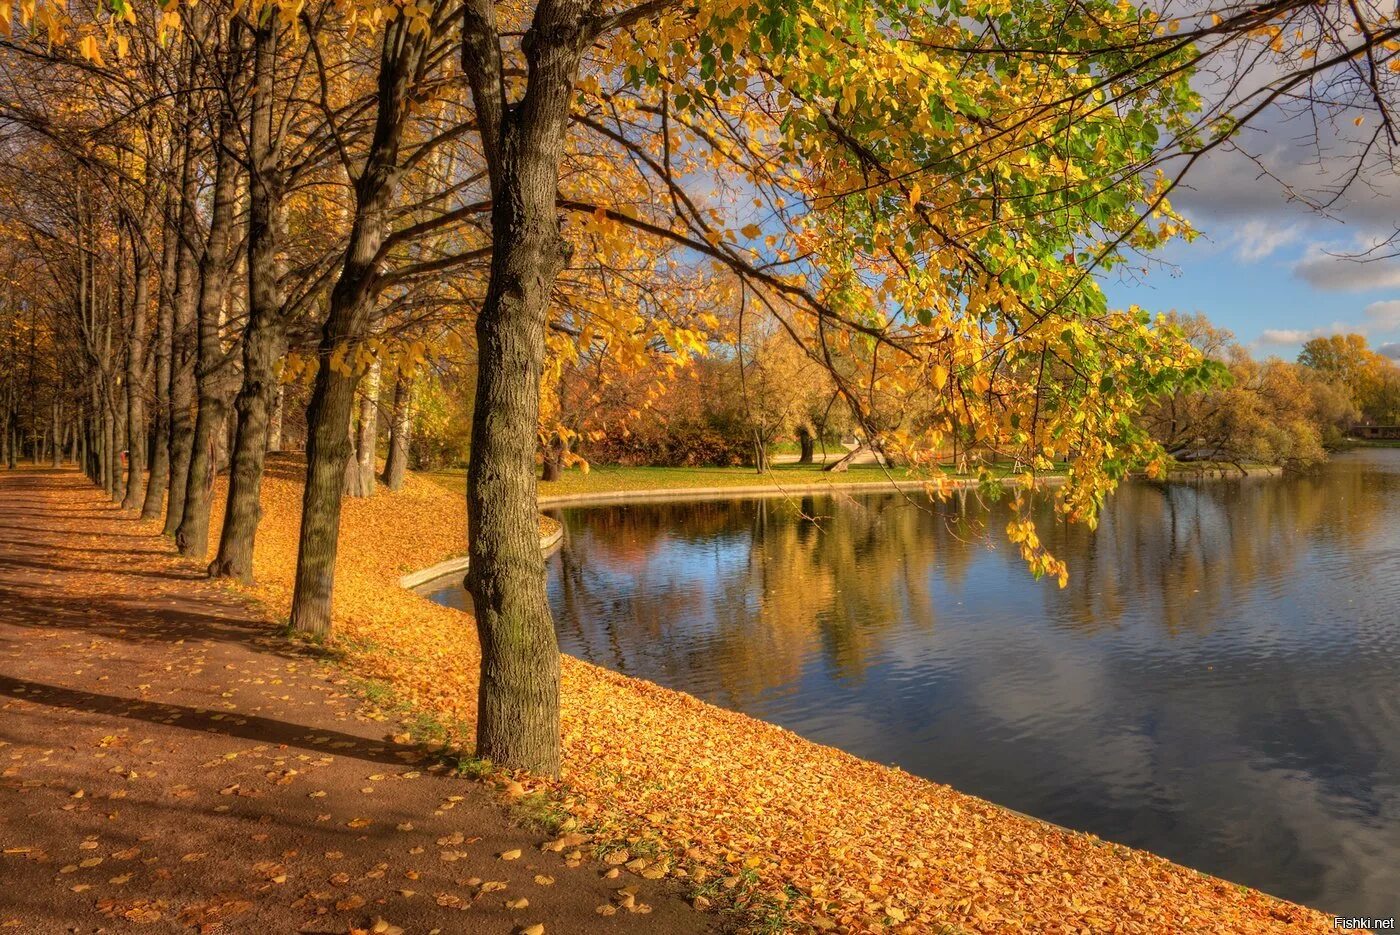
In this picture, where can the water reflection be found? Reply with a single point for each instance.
(1215, 684)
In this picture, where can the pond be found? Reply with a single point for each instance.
(1218, 682)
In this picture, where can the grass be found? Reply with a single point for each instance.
(612, 479)
(609, 479)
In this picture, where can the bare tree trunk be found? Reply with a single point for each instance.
(264, 337)
(760, 452)
(808, 444)
(842, 464)
(160, 458)
(79, 441)
(333, 397)
(119, 416)
(182, 390)
(518, 703)
(400, 433)
(109, 437)
(553, 466)
(212, 370)
(136, 375)
(362, 484)
(57, 433)
(274, 424)
(354, 477)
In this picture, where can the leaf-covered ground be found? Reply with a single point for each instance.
(798, 831)
(169, 763)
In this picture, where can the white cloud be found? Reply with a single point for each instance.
(1300, 335)
(1257, 239)
(1384, 315)
(1329, 267)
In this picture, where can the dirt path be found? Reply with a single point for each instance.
(167, 765)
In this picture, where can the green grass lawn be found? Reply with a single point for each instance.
(608, 479)
(611, 478)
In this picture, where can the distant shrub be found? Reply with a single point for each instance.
(664, 446)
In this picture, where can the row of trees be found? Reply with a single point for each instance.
(205, 202)
(1274, 411)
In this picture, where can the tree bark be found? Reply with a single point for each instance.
(182, 390)
(333, 397)
(518, 703)
(808, 444)
(57, 460)
(274, 425)
(119, 443)
(400, 433)
(362, 483)
(760, 451)
(160, 457)
(842, 464)
(213, 365)
(264, 337)
(553, 465)
(136, 374)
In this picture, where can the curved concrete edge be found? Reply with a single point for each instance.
(456, 566)
(752, 491)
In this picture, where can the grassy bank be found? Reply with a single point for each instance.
(609, 479)
(797, 836)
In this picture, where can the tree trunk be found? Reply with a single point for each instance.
(57, 434)
(79, 441)
(212, 369)
(274, 424)
(808, 443)
(263, 348)
(842, 464)
(333, 397)
(400, 434)
(518, 703)
(136, 376)
(182, 391)
(119, 454)
(362, 484)
(108, 438)
(264, 337)
(553, 465)
(160, 457)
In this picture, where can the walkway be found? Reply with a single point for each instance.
(168, 765)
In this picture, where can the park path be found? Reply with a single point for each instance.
(167, 764)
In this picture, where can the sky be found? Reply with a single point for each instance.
(1269, 267)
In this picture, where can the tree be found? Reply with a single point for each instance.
(1369, 379)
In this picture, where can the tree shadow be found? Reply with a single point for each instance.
(253, 727)
(33, 563)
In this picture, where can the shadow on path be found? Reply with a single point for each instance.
(228, 723)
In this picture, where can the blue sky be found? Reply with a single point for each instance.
(1271, 269)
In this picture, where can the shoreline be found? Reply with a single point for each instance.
(748, 816)
(551, 541)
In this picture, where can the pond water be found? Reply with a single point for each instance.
(1218, 682)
